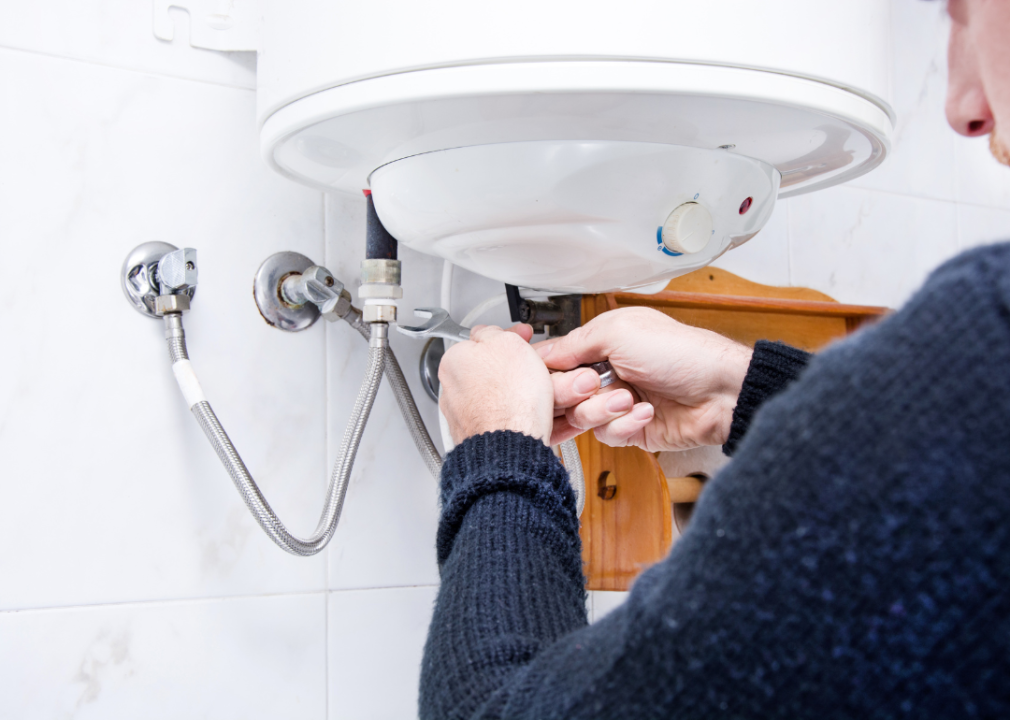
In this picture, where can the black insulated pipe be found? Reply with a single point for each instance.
(539, 314)
(379, 244)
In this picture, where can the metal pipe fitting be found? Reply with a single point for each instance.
(557, 316)
(380, 272)
(314, 284)
(171, 304)
(534, 312)
(379, 335)
(380, 289)
(141, 287)
(156, 269)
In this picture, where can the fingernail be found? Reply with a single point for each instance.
(586, 382)
(619, 402)
(644, 411)
(545, 350)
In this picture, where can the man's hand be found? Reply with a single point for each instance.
(680, 383)
(496, 381)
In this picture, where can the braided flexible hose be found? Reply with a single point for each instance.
(573, 464)
(405, 400)
(247, 487)
(421, 438)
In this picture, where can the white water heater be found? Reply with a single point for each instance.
(574, 145)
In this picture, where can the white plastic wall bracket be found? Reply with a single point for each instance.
(230, 25)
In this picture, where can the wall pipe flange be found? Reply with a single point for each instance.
(267, 292)
(431, 357)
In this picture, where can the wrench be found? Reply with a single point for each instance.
(439, 325)
(442, 326)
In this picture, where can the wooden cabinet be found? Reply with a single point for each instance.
(627, 523)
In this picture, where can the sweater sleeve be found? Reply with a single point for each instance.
(773, 367)
(831, 570)
(510, 562)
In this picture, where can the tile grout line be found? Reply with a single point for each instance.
(326, 444)
(388, 587)
(910, 196)
(957, 229)
(205, 599)
(326, 376)
(160, 601)
(927, 198)
(110, 66)
(890, 50)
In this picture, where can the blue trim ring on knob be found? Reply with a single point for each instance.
(659, 239)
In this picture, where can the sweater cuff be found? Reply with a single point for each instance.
(773, 366)
(501, 461)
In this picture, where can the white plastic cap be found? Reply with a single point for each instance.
(688, 229)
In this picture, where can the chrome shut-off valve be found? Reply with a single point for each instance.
(291, 292)
(158, 278)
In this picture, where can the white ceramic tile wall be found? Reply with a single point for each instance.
(253, 657)
(163, 598)
(118, 33)
(375, 641)
(132, 574)
(875, 240)
(982, 225)
(603, 601)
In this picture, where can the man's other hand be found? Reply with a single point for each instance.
(496, 381)
(680, 383)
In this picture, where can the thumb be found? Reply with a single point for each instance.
(522, 330)
(479, 333)
(583, 345)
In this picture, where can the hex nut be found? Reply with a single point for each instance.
(383, 272)
(379, 313)
(338, 309)
(165, 304)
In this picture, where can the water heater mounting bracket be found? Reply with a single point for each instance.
(228, 25)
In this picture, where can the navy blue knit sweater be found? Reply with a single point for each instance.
(853, 561)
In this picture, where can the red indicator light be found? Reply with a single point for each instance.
(745, 205)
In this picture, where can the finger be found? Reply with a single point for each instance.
(563, 431)
(587, 344)
(571, 388)
(628, 429)
(522, 330)
(600, 409)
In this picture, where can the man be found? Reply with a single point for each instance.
(852, 561)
